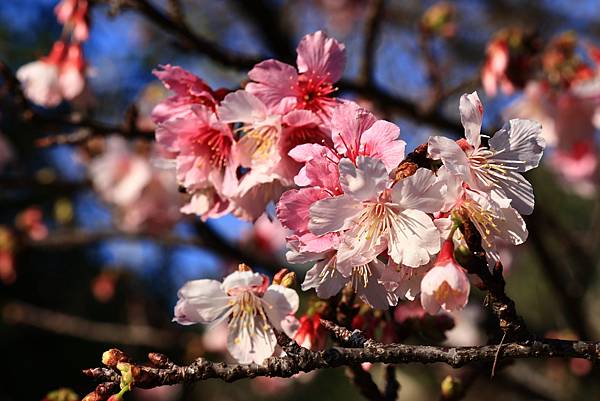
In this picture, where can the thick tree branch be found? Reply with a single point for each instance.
(303, 360)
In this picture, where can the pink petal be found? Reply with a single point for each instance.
(274, 82)
(321, 57)
(348, 123)
(381, 141)
(293, 207)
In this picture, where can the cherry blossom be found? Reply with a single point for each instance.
(128, 181)
(188, 89)
(281, 87)
(57, 77)
(203, 148)
(446, 286)
(374, 216)
(251, 308)
(516, 148)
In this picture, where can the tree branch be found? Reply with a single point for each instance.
(188, 38)
(110, 333)
(303, 360)
(372, 28)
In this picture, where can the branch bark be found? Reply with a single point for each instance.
(303, 360)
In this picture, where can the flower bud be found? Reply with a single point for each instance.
(242, 267)
(451, 388)
(279, 276)
(289, 280)
(113, 356)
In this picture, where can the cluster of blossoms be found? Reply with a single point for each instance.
(231, 148)
(359, 226)
(364, 228)
(560, 90)
(61, 74)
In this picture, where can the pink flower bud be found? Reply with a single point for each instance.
(446, 285)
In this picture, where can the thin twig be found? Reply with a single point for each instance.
(373, 23)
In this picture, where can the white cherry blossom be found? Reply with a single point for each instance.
(516, 148)
(251, 308)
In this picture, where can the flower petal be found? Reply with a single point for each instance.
(293, 207)
(274, 82)
(332, 214)
(519, 144)
(382, 142)
(471, 115)
(201, 301)
(241, 106)
(413, 238)
(321, 57)
(247, 347)
(242, 279)
(520, 192)
(421, 191)
(348, 122)
(366, 180)
(453, 157)
(280, 302)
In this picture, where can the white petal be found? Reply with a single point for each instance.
(279, 302)
(512, 226)
(421, 191)
(471, 115)
(374, 293)
(519, 144)
(453, 157)
(242, 279)
(516, 188)
(413, 239)
(201, 301)
(365, 180)
(247, 347)
(333, 214)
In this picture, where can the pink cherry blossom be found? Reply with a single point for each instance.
(262, 129)
(446, 286)
(203, 148)
(40, 79)
(328, 278)
(357, 132)
(188, 89)
(577, 167)
(281, 87)
(251, 308)
(516, 148)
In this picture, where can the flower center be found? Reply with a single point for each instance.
(360, 276)
(314, 94)
(260, 141)
(484, 220)
(218, 144)
(489, 168)
(248, 315)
